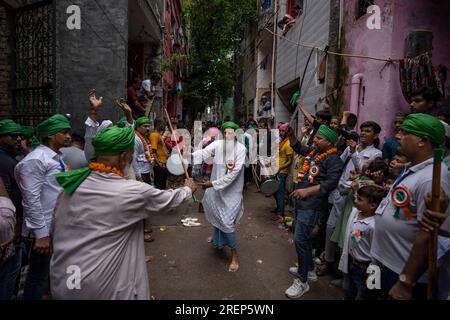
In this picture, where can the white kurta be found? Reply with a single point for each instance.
(99, 231)
(223, 203)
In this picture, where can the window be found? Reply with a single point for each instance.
(362, 7)
(294, 8)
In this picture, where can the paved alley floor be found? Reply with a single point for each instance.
(186, 267)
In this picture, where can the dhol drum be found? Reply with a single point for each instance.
(175, 166)
(270, 183)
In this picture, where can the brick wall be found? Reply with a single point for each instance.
(5, 66)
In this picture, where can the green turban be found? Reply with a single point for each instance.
(229, 124)
(140, 121)
(113, 141)
(122, 122)
(9, 126)
(108, 142)
(328, 134)
(53, 125)
(424, 125)
(27, 131)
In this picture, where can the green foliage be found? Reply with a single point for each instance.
(216, 27)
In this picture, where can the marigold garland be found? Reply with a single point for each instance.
(100, 167)
(148, 154)
(308, 162)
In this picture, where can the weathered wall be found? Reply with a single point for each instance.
(93, 57)
(5, 64)
(383, 96)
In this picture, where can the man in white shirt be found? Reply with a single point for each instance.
(35, 177)
(354, 157)
(142, 154)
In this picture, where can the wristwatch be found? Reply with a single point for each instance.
(405, 280)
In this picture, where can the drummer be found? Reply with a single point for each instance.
(318, 176)
(285, 157)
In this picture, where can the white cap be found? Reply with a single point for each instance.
(146, 84)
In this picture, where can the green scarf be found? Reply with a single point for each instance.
(52, 125)
(108, 142)
(328, 134)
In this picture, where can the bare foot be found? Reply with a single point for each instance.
(234, 266)
(148, 259)
(209, 239)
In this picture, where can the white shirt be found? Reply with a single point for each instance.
(140, 162)
(394, 237)
(358, 240)
(35, 177)
(357, 161)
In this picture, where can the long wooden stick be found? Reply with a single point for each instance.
(435, 206)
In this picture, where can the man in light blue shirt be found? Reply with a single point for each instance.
(35, 177)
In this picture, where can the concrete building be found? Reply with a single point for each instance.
(48, 65)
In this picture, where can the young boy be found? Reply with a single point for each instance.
(358, 239)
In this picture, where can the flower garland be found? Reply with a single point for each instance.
(100, 167)
(148, 154)
(310, 166)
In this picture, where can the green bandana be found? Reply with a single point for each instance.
(108, 142)
(27, 131)
(9, 126)
(229, 124)
(328, 134)
(140, 121)
(424, 125)
(52, 125)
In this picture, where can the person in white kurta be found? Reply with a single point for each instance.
(223, 201)
(97, 233)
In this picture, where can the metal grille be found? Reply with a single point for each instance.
(34, 44)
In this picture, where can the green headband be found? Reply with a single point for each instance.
(328, 134)
(52, 125)
(424, 125)
(9, 126)
(229, 124)
(140, 121)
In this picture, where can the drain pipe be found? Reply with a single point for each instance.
(355, 93)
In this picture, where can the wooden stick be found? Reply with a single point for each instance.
(435, 206)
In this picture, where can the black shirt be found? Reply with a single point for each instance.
(330, 170)
(7, 165)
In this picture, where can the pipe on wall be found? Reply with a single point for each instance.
(357, 80)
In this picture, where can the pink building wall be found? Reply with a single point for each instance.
(383, 96)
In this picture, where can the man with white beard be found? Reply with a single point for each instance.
(223, 200)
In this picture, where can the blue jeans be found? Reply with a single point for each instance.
(9, 272)
(38, 272)
(222, 239)
(279, 196)
(306, 221)
(354, 283)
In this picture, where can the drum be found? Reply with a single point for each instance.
(175, 166)
(270, 186)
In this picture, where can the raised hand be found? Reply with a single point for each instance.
(95, 102)
(124, 106)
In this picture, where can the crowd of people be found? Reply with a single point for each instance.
(76, 204)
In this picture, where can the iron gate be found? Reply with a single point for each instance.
(34, 64)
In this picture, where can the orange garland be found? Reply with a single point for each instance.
(101, 167)
(146, 149)
(307, 164)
